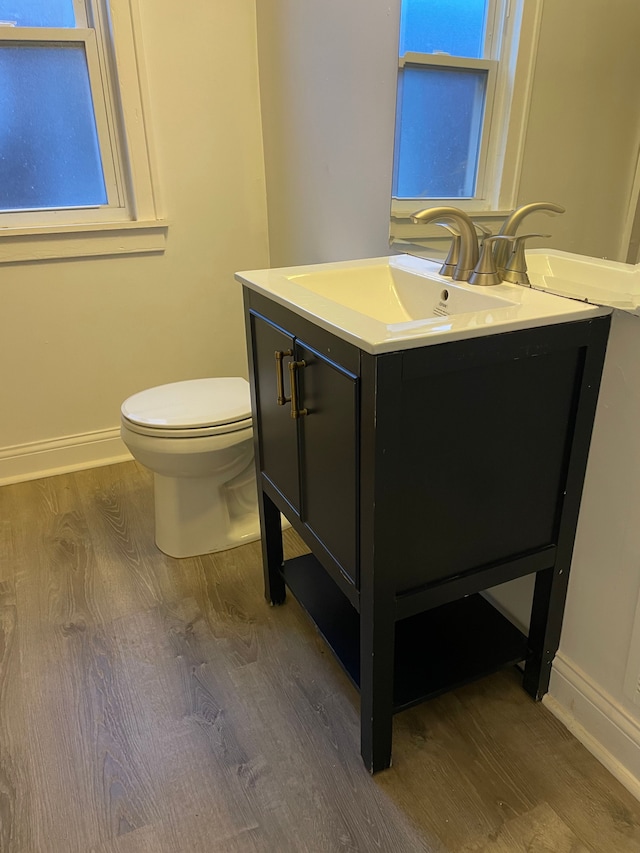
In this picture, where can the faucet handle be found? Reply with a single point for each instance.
(483, 233)
(515, 271)
(485, 271)
(453, 257)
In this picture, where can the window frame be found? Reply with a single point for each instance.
(133, 219)
(511, 39)
(115, 206)
(458, 63)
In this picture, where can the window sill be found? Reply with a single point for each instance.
(104, 239)
(402, 228)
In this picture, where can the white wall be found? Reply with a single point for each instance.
(78, 337)
(605, 578)
(588, 682)
(328, 71)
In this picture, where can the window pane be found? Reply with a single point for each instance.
(444, 26)
(49, 154)
(38, 13)
(438, 141)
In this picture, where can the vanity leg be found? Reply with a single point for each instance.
(544, 632)
(377, 653)
(272, 553)
(380, 521)
(376, 690)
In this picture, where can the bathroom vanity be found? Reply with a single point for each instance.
(423, 460)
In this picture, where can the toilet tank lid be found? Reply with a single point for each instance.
(191, 403)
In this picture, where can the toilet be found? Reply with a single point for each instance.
(196, 437)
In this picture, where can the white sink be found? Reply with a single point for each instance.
(393, 294)
(402, 302)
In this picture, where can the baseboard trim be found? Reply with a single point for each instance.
(61, 455)
(597, 720)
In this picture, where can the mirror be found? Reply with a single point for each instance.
(577, 134)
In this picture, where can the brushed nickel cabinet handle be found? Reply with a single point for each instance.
(280, 354)
(293, 378)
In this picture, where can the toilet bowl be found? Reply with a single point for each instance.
(196, 437)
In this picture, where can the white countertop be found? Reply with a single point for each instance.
(348, 299)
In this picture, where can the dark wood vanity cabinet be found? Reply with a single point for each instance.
(419, 479)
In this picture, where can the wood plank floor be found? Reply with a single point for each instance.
(152, 705)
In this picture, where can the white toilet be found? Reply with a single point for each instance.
(197, 438)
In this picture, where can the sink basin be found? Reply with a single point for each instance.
(401, 302)
(392, 294)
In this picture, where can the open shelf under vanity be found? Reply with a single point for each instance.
(435, 651)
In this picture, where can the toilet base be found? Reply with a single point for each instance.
(193, 518)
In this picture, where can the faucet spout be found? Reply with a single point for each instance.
(468, 256)
(512, 222)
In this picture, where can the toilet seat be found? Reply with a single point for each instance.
(190, 409)
(197, 432)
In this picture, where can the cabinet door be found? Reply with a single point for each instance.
(277, 430)
(329, 455)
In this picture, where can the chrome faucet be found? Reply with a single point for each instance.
(511, 224)
(468, 251)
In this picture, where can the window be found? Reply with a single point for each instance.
(74, 153)
(462, 98)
